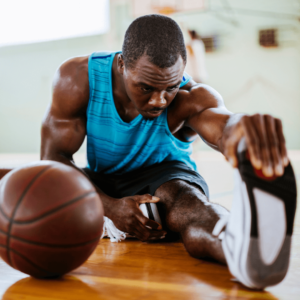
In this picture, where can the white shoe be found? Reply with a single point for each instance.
(150, 211)
(258, 232)
(110, 230)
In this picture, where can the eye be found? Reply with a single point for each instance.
(171, 89)
(146, 89)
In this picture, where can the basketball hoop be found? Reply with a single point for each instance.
(167, 10)
(165, 7)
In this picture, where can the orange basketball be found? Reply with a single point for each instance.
(51, 219)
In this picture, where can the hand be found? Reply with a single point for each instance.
(128, 217)
(265, 143)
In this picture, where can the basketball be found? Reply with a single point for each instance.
(51, 219)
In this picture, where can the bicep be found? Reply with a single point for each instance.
(209, 121)
(61, 136)
(64, 124)
(210, 124)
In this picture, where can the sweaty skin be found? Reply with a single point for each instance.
(195, 109)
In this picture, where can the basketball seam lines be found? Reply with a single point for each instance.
(50, 212)
(28, 260)
(16, 207)
(50, 245)
(54, 209)
(4, 215)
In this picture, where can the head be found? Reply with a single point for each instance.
(152, 63)
(193, 34)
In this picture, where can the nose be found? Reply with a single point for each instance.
(158, 100)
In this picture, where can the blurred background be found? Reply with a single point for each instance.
(249, 51)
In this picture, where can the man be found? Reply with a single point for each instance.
(195, 65)
(140, 113)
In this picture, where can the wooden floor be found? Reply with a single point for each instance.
(136, 270)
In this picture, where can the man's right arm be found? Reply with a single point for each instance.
(63, 132)
(64, 125)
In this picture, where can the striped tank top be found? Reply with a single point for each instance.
(117, 147)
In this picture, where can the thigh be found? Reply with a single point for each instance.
(181, 204)
(178, 192)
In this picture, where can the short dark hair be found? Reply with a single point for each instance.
(157, 36)
(193, 33)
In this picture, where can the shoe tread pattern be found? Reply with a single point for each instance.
(283, 187)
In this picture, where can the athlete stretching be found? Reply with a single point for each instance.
(140, 113)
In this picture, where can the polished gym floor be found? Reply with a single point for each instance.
(135, 270)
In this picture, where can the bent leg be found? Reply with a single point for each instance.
(188, 212)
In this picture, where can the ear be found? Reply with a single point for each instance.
(120, 64)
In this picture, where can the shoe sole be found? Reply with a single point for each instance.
(265, 249)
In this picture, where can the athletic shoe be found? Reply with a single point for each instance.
(150, 211)
(257, 239)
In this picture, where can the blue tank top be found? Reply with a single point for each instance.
(117, 147)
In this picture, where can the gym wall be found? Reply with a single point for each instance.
(249, 77)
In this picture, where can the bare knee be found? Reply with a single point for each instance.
(183, 205)
(196, 242)
(188, 212)
(202, 244)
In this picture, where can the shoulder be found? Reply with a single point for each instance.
(71, 85)
(197, 97)
(73, 71)
(191, 100)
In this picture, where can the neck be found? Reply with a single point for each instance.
(124, 106)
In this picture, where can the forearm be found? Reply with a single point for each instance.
(232, 121)
(107, 201)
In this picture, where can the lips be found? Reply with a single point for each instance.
(155, 113)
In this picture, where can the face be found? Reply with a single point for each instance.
(150, 88)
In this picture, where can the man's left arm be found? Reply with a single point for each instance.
(223, 130)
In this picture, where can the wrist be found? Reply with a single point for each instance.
(109, 204)
(232, 128)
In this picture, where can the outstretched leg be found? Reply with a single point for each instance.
(188, 212)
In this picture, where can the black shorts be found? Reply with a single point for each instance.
(146, 180)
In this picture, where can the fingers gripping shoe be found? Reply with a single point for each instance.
(110, 230)
(150, 211)
(258, 232)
